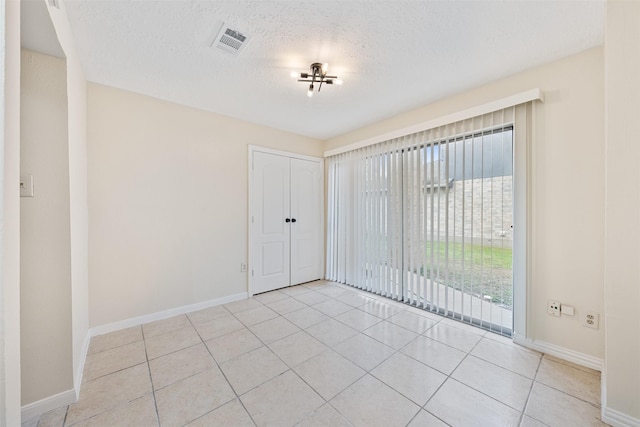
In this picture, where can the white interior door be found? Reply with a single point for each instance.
(306, 231)
(286, 221)
(271, 234)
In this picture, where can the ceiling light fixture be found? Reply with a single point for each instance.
(317, 76)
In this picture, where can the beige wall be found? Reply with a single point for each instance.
(10, 214)
(45, 264)
(622, 242)
(167, 202)
(567, 178)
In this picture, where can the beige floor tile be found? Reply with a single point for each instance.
(282, 401)
(274, 329)
(109, 391)
(54, 418)
(329, 373)
(242, 305)
(500, 338)
(207, 314)
(459, 405)
(331, 290)
(392, 335)
(305, 317)
(163, 326)
(381, 309)
(332, 307)
(555, 408)
(176, 366)
(506, 386)
(331, 332)
(464, 326)
(358, 320)
(297, 348)
(115, 339)
(435, 354)
(527, 421)
(489, 386)
(425, 313)
(287, 305)
(411, 321)
(292, 291)
(576, 382)
(229, 414)
(140, 413)
(425, 419)
(30, 423)
(316, 284)
(453, 337)
(232, 345)
(364, 351)
(269, 297)
(413, 379)
(191, 398)
(252, 369)
(311, 298)
(325, 416)
(255, 315)
(382, 406)
(511, 357)
(116, 359)
(160, 345)
(218, 327)
(354, 299)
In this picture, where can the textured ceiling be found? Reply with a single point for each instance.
(392, 55)
(36, 29)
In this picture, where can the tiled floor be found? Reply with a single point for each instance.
(323, 354)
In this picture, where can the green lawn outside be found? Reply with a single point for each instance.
(476, 269)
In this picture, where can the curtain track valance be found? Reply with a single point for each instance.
(510, 101)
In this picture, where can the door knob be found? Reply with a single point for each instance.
(293, 220)
(287, 220)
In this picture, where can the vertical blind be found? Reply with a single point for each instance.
(427, 219)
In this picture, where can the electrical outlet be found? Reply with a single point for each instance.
(591, 320)
(553, 308)
(243, 267)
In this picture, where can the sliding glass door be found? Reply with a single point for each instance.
(458, 227)
(427, 219)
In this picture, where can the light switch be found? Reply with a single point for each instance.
(26, 185)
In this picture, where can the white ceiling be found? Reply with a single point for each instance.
(392, 55)
(36, 29)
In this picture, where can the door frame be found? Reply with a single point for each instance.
(250, 243)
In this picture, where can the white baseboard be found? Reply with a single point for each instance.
(35, 409)
(576, 357)
(135, 321)
(618, 419)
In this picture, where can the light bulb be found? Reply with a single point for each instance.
(325, 67)
(294, 75)
(310, 91)
(338, 81)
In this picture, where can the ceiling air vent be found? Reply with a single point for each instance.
(231, 41)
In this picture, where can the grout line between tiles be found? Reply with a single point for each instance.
(225, 378)
(333, 298)
(153, 389)
(533, 382)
